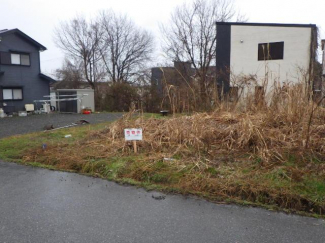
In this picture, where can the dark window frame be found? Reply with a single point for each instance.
(15, 52)
(270, 51)
(12, 90)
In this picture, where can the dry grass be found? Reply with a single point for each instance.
(271, 154)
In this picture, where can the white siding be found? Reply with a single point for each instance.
(323, 60)
(244, 52)
(87, 101)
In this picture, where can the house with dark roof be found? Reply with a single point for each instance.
(21, 80)
(182, 74)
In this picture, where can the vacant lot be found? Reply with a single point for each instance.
(243, 158)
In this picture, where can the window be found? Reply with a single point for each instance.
(270, 51)
(24, 60)
(14, 59)
(20, 59)
(17, 94)
(12, 94)
(7, 94)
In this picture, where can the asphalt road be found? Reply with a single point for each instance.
(38, 205)
(19, 125)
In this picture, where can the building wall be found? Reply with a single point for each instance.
(87, 101)
(180, 75)
(34, 88)
(323, 67)
(244, 52)
(156, 79)
(223, 50)
(323, 56)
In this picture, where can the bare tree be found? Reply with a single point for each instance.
(127, 47)
(70, 75)
(191, 36)
(80, 40)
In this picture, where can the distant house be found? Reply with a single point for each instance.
(180, 75)
(21, 80)
(265, 53)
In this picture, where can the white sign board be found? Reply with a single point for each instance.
(133, 134)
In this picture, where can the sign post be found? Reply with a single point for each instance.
(135, 146)
(134, 135)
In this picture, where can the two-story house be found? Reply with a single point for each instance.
(21, 80)
(269, 54)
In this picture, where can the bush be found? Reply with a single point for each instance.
(120, 97)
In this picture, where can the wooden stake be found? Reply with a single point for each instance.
(135, 146)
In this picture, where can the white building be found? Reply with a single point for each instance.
(264, 54)
(323, 57)
(323, 67)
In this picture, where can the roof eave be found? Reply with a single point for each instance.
(267, 24)
(46, 78)
(23, 35)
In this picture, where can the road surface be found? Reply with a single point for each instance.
(39, 205)
(10, 126)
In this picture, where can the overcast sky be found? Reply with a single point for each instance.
(38, 18)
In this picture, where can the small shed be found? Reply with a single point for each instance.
(73, 100)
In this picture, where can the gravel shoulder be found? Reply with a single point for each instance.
(10, 126)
